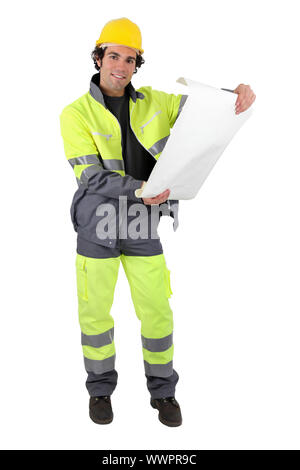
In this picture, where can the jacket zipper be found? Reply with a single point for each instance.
(136, 139)
(169, 207)
(120, 214)
(136, 135)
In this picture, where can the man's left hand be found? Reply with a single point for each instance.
(245, 98)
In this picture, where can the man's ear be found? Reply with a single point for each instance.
(99, 62)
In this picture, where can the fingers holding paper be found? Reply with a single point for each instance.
(159, 199)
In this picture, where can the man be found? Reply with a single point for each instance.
(113, 137)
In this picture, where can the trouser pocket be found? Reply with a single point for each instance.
(81, 274)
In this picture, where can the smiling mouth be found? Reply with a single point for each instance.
(120, 77)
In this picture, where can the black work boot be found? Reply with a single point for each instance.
(101, 410)
(169, 410)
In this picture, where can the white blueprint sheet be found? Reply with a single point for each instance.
(204, 128)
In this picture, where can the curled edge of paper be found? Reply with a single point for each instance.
(182, 80)
(138, 192)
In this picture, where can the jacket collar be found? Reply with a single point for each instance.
(97, 94)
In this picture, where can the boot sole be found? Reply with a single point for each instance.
(167, 423)
(101, 421)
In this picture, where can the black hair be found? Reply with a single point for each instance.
(98, 53)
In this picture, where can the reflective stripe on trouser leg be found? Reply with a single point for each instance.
(96, 280)
(148, 278)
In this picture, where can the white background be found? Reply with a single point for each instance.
(234, 259)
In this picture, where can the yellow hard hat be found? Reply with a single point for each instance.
(121, 31)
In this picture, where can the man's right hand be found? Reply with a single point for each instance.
(159, 199)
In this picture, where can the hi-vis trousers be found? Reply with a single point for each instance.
(149, 279)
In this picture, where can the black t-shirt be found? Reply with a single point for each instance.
(137, 160)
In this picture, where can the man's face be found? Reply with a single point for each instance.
(120, 61)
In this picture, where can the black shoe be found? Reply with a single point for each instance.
(101, 410)
(169, 410)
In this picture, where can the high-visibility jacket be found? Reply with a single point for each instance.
(93, 146)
